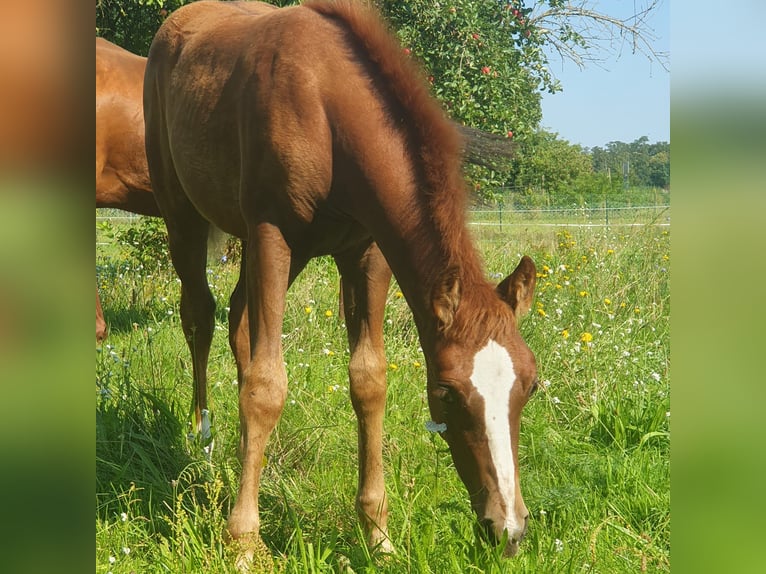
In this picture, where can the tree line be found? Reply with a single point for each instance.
(548, 170)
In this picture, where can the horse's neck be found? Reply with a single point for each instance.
(419, 251)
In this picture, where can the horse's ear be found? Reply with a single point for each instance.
(519, 287)
(445, 298)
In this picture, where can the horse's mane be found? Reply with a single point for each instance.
(435, 142)
(433, 139)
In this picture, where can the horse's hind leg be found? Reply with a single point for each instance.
(365, 277)
(187, 237)
(100, 323)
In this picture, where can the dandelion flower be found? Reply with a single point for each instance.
(328, 313)
(586, 337)
(399, 294)
(541, 312)
(607, 301)
(583, 293)
(393, 366)
(416, 364)
(565, 333)
(307, 310)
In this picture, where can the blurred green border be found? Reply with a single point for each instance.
(718, 256)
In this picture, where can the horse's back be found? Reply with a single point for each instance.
(234, 100)
(122, 176)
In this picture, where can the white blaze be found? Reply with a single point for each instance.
(493, 377)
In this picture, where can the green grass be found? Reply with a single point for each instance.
(594, 451)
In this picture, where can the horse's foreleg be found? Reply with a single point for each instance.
(263, 387)
(365, 280)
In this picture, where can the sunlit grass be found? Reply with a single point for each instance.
(594, 450)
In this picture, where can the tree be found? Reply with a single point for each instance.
(550, 170)
(585, 36)
(484, 61)
(647, 164)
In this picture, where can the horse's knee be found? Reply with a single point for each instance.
(262, 394)
(367, 380)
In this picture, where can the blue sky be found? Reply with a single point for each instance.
(621, 99)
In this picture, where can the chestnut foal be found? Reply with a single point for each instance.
(305, 131)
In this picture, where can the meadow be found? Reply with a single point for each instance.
(595, 443)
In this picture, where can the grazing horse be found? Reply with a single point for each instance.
(305, 131)
(122, 176)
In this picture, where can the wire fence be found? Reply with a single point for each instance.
(494, 221)
(581, 216)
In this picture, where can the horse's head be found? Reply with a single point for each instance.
(482, 376)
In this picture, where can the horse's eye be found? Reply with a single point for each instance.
(445, 393)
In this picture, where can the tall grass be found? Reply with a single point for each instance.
(594, 453)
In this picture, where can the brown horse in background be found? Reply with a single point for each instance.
(305, 131)
(122, 176)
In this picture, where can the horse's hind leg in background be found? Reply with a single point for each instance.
(365, 278)
(187, 237)
(101, 329)
(189, 241)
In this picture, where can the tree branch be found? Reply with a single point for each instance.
(576, 31)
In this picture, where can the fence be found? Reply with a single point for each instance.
(493, 220)
(581, 216)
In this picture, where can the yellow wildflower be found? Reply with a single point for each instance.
(607, 301)
(307, 309)
(586, 337)
(328, 313)
(399, 294)
(416, 364)
(583, 293)
(393, 366)
(565, 333)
